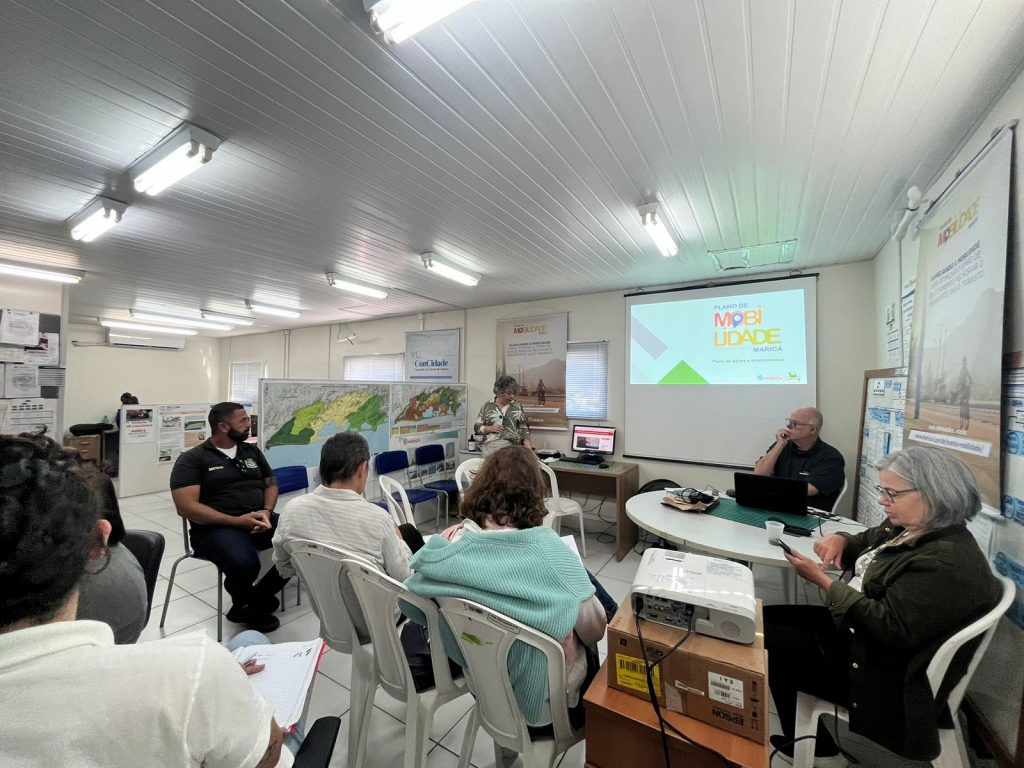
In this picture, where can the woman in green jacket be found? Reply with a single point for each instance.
(914, 581)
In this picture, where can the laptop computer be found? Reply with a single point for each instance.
(776, 494)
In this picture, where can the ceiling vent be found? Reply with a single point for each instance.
(750, 257)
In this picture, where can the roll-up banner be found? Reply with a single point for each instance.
(533, 350)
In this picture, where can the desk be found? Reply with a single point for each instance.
(619, 482)
(725, 538)
(622, 730)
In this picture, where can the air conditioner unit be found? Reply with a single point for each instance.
(145, 342)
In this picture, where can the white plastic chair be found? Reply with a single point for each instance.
(378, 595)
(842, 492)
(558, 507)
(465, 472)
(485, 638)
(400, 508)
(953, 753)
(322, 570)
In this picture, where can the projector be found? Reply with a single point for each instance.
(704, 594)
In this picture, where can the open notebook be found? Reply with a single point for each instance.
(289, 672)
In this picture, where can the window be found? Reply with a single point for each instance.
(374, 368)
(245, 381)
(586, 380)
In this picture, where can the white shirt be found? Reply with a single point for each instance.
(339, 517)
(73, 699)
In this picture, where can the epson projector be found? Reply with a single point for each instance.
(708, 595)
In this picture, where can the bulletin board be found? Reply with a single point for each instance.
(881, 432)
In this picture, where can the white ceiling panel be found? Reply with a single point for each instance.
(516, 138)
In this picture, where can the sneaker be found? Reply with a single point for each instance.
(785, 751)
(253, 619)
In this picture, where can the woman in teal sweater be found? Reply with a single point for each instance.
(502, 557)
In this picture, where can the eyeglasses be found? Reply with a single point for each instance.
(892, 494)
(791, 423)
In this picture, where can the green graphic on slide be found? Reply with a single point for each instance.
(682, 373)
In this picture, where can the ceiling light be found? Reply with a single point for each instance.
(657, 230)
(444, 269)
(263, 309)
(188, 322)
(396, 20)
(95, 219)
(181, 153)
(147, 328)
(354, 286)
(39, 273)
(217, 317)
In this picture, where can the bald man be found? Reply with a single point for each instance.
(799, 453)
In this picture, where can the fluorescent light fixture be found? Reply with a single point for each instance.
(187, 149)
(657, 230)
(217, 317)
(445, 269)
(355, 286)
(187, 322)
(263, 309)
(40, 273)
(95, 219)
(147, 328)
(397, 20)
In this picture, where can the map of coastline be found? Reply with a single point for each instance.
(297, 416)
(355, 411)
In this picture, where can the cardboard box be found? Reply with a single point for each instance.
(88, 447)
(711, 680)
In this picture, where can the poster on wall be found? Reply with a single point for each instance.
(997, 685)
(181, 428)
(532, 350)
(432, 355)
(138, 425)
(297, 416)
(416, 408)
(885, 401)
(953, 395)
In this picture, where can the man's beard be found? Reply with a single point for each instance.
(238, 437)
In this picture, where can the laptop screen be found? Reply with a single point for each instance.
(772, 494)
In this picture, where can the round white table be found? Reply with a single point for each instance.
(726, 538)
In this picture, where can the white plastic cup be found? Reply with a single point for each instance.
(774, 530)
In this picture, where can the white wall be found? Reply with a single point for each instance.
(845, 337)
(34, 295)
(98, 375)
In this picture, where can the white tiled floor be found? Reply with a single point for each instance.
(193, 604)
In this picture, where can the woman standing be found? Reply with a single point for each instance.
(502, 421)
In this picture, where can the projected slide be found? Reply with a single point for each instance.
(743, 339)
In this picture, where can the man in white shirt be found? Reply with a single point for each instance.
(337, 514)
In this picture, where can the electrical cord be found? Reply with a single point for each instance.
(650, 667)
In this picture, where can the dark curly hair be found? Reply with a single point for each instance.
(509, 489)
(48, 514)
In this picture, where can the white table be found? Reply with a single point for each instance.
(725, 538)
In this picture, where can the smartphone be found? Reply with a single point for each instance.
(785, 547)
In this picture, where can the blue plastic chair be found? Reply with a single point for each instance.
(390, 462)
(293, 478)
(430, 460)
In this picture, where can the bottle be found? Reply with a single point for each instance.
(106, 419)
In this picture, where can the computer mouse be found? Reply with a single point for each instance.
(730, 492)
(603, 465)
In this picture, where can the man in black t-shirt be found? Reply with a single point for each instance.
(799, 453)
(227, 491)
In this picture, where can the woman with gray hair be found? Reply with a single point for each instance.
(914, 581)
(502, 421)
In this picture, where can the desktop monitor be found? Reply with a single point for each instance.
(593, 440)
